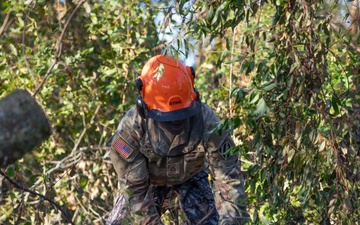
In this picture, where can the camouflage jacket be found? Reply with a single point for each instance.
(138, 168)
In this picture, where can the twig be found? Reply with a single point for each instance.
(23, 50)
(15, 184)
(85, 129)
(19, 207)
(72, 158)
(3, 26)
(58, 48)
(161, 46)
(231, 72)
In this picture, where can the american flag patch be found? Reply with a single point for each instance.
(121, 147)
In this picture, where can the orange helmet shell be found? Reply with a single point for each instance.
(168, 87)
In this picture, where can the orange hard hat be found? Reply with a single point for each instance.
(167, 89)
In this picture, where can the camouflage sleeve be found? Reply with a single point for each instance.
(228, 181)
(130, 166)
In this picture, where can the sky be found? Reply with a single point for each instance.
(191, 59)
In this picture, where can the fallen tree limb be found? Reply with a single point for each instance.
(23, 126)
(52, 202)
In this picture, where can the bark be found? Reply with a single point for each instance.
(354, 18)
(23, 126)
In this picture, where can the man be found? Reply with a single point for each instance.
(166, 146)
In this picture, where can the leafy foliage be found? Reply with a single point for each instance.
(301, 120)
(86, 56)
(283, 74)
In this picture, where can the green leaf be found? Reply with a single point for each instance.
(322, 146)
(216, 17)
(334, 105)
(237, 122)
(269, 86)
(94, 18)
(261, 108)
(11, 171)
(255, 98)
(210, 13)
(13, 49)
(21, 22)
(83, 181)
(250, 67)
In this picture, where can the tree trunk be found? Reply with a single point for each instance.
(23, 126)
(354, 18)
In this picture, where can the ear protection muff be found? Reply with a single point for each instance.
(140, 104)
(192, 70)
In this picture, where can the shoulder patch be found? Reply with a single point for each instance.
(122, 148)
(224, 150)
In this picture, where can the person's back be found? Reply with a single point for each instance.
(167, 145)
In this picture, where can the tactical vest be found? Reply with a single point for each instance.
(173, 169)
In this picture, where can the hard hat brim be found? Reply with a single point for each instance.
(179, 114)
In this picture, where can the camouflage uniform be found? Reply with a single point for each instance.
(148, 177)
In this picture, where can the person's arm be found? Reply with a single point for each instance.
(134, 178)
(130, 165)
(227, 179)
(229, 186)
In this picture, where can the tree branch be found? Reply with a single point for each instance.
(24, 52)
(4, 25)
(15, 184)
(58, 48)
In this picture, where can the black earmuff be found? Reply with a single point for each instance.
(193, 73)
(197, 94)
(140, 106)
(139, 102)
